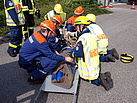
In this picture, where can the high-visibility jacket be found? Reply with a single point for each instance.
(89, 64)
(52, 13)
(14, 14)
(101, 38)
(28, 5)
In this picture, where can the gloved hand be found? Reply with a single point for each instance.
(37, 13)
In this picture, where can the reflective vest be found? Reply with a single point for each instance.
(28, 5)
(17, 7)
(89, 64)
(101, 38)
(52, 13)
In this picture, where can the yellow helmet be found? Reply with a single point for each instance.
(81, 20)
(58, 8)
(91, 17)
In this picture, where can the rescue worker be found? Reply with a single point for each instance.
(78, 12)
(29, 11)
(87, 56)
(55, 39)
(15, 20)
(58, 10)
(37, 55)
(105, 54)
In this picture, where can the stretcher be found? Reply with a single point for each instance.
(47, 86)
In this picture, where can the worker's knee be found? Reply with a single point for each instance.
(50, 66)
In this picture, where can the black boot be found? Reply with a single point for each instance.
(103, 82)
(106, 81)
(31, 80)
(111, 58)
(115, 53)
(13, 54)
(109, 79)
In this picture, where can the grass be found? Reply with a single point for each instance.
(67, 5)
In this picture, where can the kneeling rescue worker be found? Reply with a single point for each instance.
(37, 55)
(87, 56)
(102, 40)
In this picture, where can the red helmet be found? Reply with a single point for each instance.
(48, 24)
(79, 10)
(57, 18)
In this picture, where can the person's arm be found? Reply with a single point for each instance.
(45, 49)
(78, 52)
(12, 11)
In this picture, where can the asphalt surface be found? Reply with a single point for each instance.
(121, 29)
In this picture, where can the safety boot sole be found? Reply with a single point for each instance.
(103, 82)
(111, 58)
(109, 79)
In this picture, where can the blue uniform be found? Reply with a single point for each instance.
(15, 19)
(38, 48)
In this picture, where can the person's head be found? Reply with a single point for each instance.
(81, 23)
(47, 27)
(58, 8)
(91, 17)
(57, 20)
(79, 10)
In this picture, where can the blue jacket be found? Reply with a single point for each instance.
(38, 45)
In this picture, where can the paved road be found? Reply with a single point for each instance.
(120, 27)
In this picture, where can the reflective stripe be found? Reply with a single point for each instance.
(31, 11)
(93, 75)
(10, 8)
(20, 44)
(30, 27)
(25, 8)
(24, 32)
(102, 47)
(89, 70)
(13, 46)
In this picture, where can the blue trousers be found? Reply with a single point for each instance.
(104, 58)
(16, 39)
(46, 66)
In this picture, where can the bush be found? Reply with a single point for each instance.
(2, 20)
(1, 5)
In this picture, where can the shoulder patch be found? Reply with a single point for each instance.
(10, 4)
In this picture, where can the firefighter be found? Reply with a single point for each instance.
(105, 54)
(58, 10)
(78, 12)
(37, 55)
(29, 11)
(87, 56)
(15, 20)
